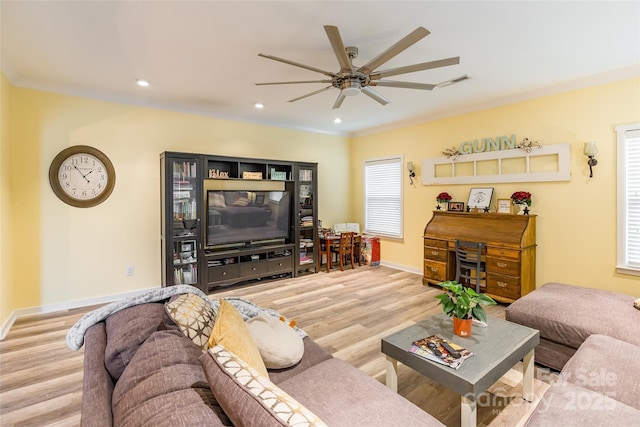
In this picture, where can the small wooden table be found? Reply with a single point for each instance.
(327, 241)
(497, 348)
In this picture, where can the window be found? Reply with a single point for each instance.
(383, 197)
(628, 199)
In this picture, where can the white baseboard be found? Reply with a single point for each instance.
(401, 267)
(64, 306)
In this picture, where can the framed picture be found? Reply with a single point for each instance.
(456, 207)
(504, 206)
(480, 198)
(259, 199)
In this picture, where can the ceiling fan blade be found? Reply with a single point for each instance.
(310, 94)
(339, 100)
(413, 37)
(338, 48)
(415, 67)
(405, 85)
(375, 95)
(296, 64)
(291, 83)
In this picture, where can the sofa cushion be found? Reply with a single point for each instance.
(279, 344)
(194, 316)
(342, 395)
(568, 314)
(566, 404)
(164, 385)
(230, 331)
(249, 398)
(126, 330)
(607, 366)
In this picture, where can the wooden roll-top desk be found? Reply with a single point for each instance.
(510, 250)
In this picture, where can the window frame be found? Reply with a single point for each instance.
(396, 160)
(623, 169)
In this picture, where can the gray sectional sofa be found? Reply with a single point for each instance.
(593, 337)
(141, 370)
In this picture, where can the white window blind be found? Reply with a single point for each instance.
(383, 197)
(629, 199)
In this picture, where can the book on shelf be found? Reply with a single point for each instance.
(434, 348)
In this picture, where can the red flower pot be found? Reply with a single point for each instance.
(462, 327)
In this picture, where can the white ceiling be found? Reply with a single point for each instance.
(202, 56)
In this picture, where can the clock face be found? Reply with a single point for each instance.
(82, 176)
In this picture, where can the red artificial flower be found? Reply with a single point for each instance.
(443, 197)
(521, 198)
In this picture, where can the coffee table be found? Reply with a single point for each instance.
(497, 348)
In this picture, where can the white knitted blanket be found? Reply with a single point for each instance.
(75, 335)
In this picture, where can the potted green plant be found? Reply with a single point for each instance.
(463, 304)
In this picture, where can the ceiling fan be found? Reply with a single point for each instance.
(351, 80)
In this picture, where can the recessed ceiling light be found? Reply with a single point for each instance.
(142, 82)
(258, 105)
(337, 120)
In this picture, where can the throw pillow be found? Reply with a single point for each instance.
(279, 344)
(248, 398)
(194, 316)
(241, 202)
(636, 303)
(230, 331)
(216, 200)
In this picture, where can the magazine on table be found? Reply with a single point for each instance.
(439, 350)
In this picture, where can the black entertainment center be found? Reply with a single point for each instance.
(227, 220)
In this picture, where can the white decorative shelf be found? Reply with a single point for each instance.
(548, 163)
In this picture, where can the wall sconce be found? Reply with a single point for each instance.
(412, 173)
(590, 150)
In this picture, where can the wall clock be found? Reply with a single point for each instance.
(82, 176)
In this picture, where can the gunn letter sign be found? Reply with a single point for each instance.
(488, 144)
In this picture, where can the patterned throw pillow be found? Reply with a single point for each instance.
(249, 398)
(195, 317)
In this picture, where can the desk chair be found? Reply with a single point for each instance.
(344, 249)
(470, 265)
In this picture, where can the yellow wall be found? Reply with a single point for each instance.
(576, 220)
(6, 268)
(52, 253)
(62, 253)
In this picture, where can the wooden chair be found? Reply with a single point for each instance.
(470, 264)
(344, 249)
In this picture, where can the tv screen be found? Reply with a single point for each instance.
(235, 217)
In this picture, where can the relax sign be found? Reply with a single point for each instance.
(488, 144)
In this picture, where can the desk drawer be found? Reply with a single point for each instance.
(434, 253)
(503, 253)
(510, 267)
(436, 271)
(223, 272)
(435, 242)
(508, 287)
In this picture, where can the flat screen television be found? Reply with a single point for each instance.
(241, 218)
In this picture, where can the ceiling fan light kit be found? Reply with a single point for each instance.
(351, 80)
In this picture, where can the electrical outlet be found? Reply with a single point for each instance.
(130, 270)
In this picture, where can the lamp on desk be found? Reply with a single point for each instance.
(590, 150)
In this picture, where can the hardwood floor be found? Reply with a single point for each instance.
(345, 312)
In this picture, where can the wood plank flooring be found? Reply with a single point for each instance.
(345, 312)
